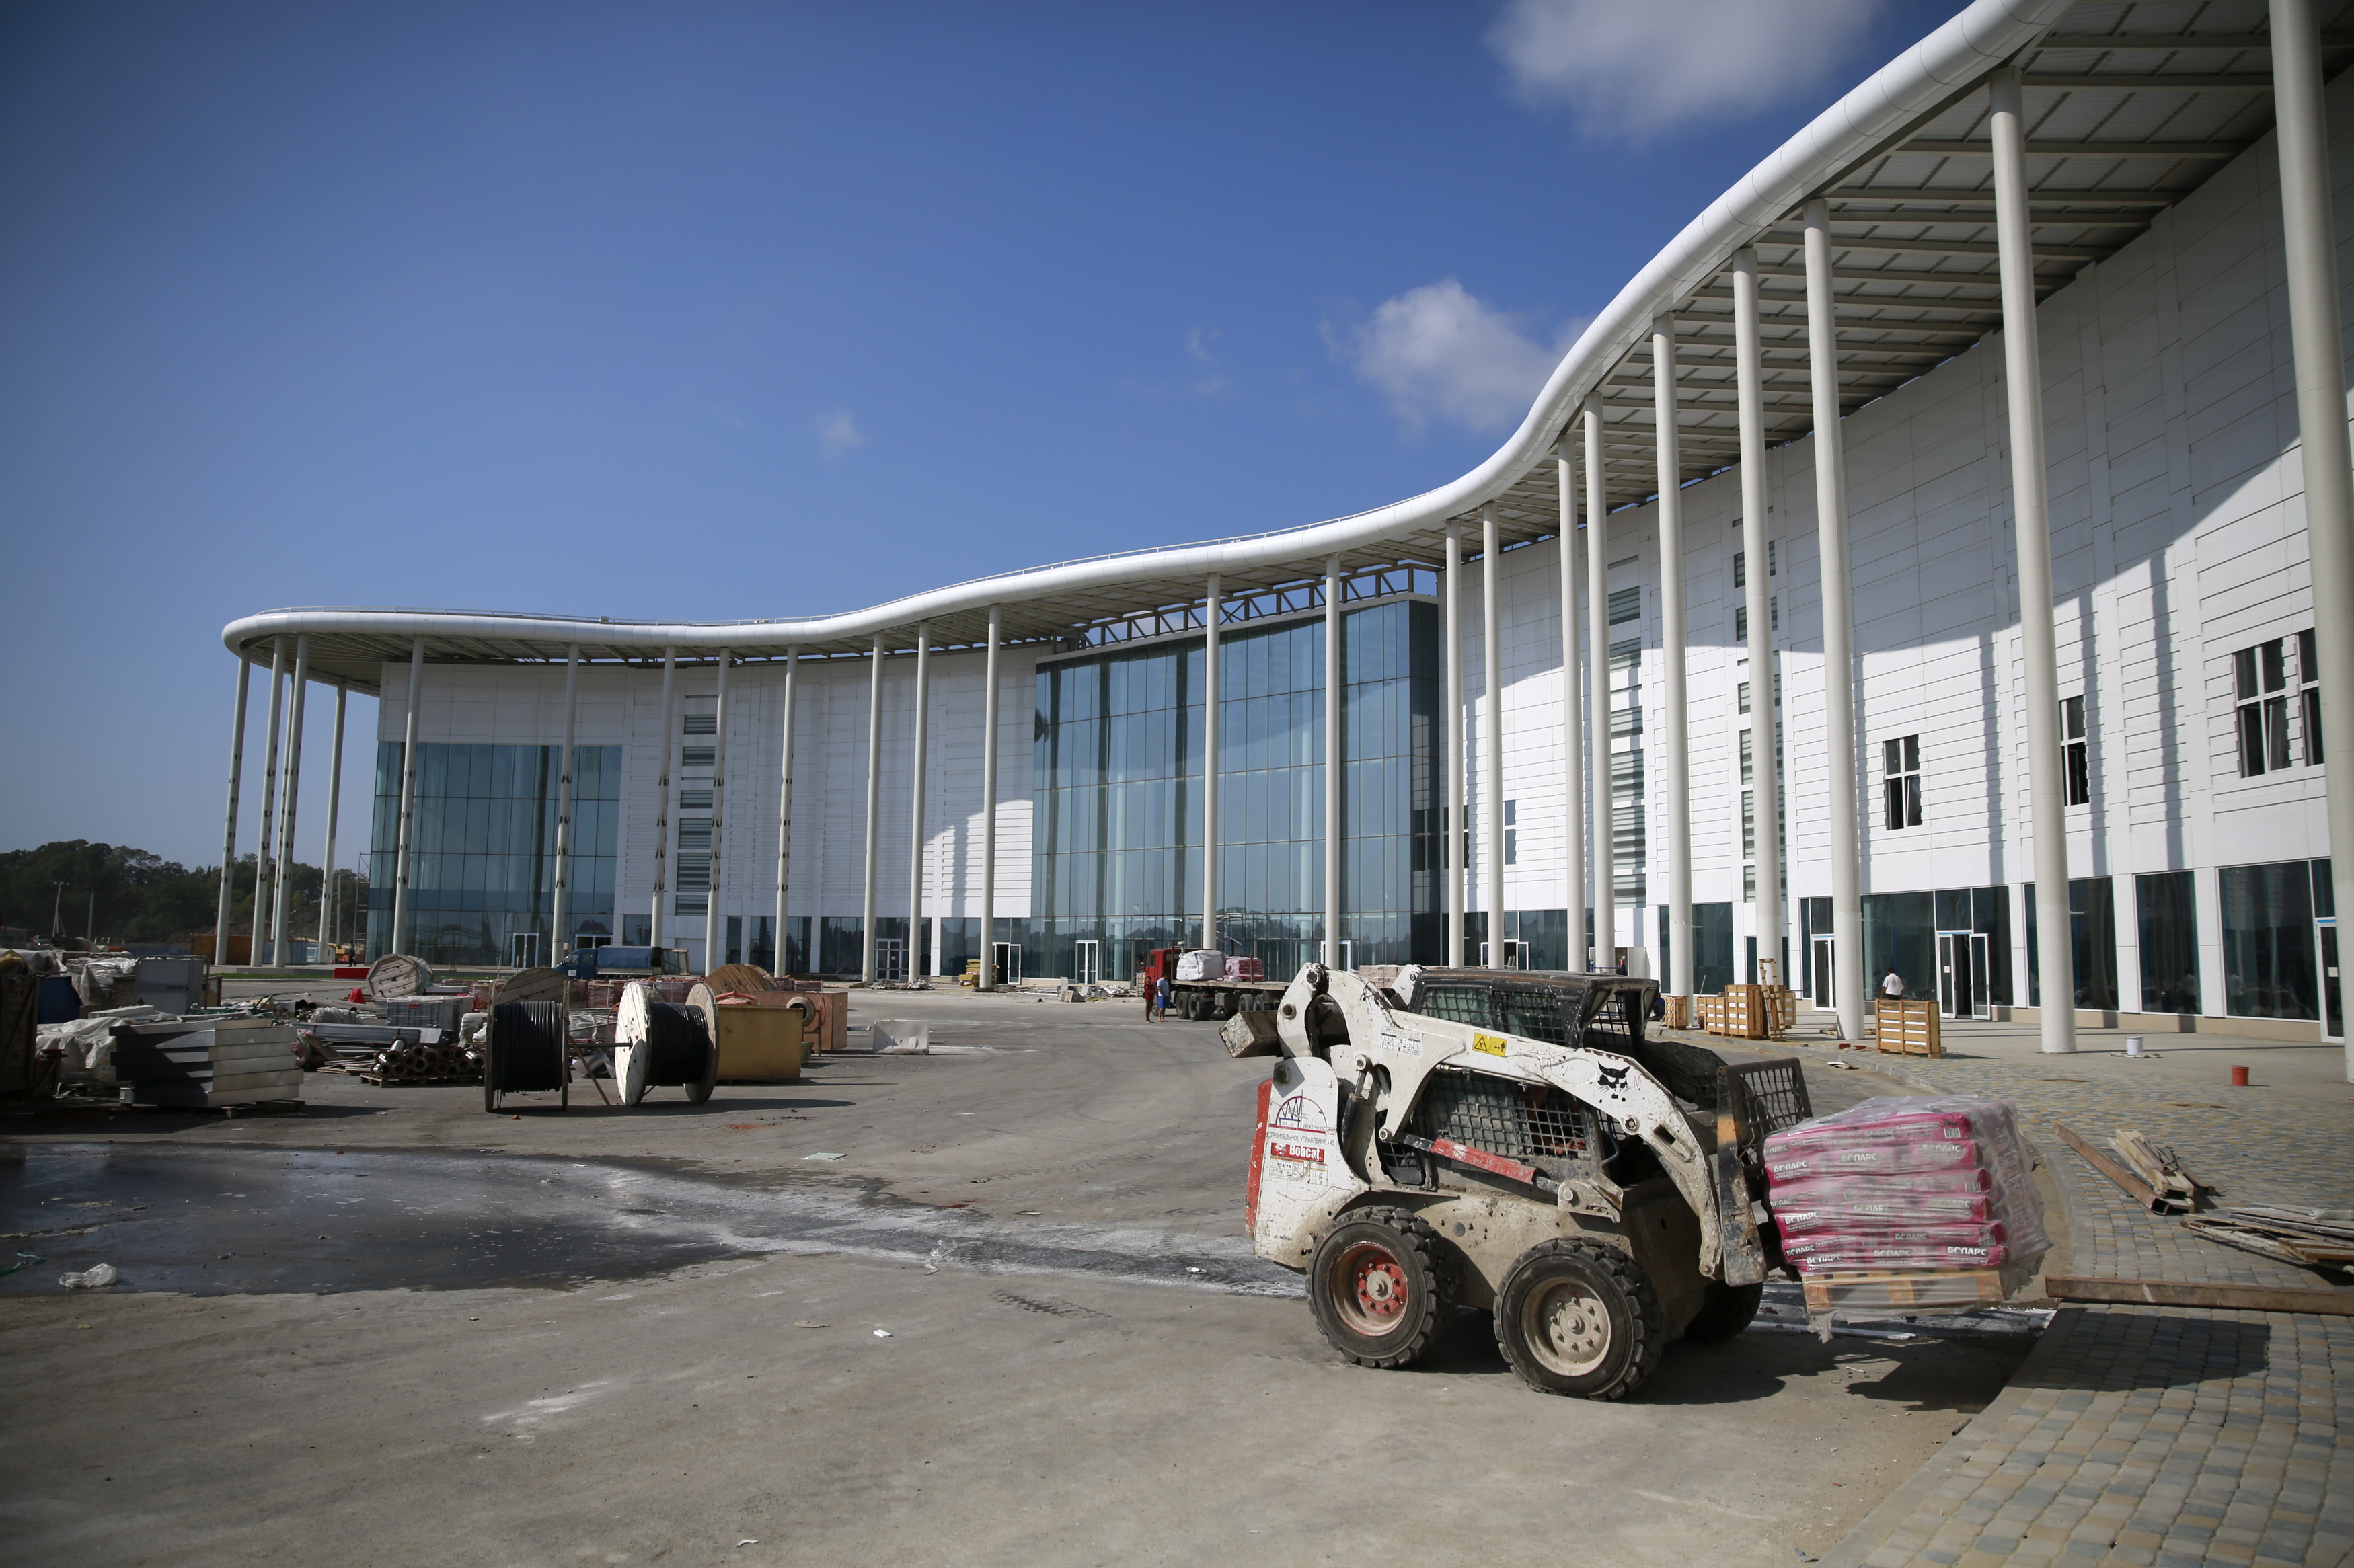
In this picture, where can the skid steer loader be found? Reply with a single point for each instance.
(1513, 1143)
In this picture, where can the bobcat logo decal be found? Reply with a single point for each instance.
(1613, 1078)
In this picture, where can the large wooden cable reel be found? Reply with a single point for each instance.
(396, 975)
(659, 1044)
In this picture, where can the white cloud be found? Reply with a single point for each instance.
(1197, 348)
(1632, 68)
(837, 432)
(1442, 351)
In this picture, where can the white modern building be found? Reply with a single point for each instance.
(2000, 414)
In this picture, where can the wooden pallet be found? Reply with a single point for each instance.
(1914, 1291)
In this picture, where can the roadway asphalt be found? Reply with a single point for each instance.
(1013, 1321)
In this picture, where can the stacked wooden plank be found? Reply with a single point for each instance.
(207, 1061)
(2174, 1189)
(2312, 1238)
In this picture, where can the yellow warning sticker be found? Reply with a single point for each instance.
(1491, 1044)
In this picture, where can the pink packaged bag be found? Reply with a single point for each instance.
(1935, 1184)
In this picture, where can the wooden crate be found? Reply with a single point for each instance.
(1744, 1012)
(1679, 1010)
(1907, 1028)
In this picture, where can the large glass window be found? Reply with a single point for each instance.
(1900, 933)
(2169, 906)
(1117, 860)
(2269, 969)
(2092, 926)
(482, 851)
(1629, 853)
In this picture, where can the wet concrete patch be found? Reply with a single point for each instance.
(238, 1222)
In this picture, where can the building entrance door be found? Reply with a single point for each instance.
(1008, 960)
(1823, 996)
(1956, 974)
(1085, 966)
(2333, 1007)
(523, 949)
(1516, 955)
(890, 958)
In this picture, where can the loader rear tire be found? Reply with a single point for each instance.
(1577, 1318)
(1726, 1310)
(1382, 1289)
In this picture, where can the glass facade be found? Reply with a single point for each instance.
(2270, 969)
(2167, 904)
(481, 862)
(2092, 927)
(1115, 867)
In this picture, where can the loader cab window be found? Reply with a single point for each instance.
(1533, 1014)
(1456, 1003)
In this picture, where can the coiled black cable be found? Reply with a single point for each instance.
(678, 1046)
(524, 1052)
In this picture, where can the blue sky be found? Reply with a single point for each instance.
(707, 309)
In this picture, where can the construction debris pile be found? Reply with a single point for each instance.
(2312, 1238)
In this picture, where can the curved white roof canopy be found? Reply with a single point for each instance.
(2126, 113)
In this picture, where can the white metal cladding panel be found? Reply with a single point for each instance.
(2177, 537)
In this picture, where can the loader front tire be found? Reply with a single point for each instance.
(1381, 1291)
(1577, 1318)
(1724, 1312)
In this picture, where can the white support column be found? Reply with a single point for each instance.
(1839, 621)
(1213, 614)
(557, 947)
(1451, 829)
(715, 919)
(1573, 724)
(989, 804)
(659, 928)
(873, 810)
(407, 801)
(784, 811)
(1492, 733)
(1332, 762)
(1598, 653)
(916, 947)
(2023, 367)
(1764, 765)
(265, 844)
(229, 830)
(329, 904)
(1675, 710)
(2308, 231)
(289, 796)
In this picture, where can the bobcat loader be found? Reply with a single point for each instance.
(1600, 1194)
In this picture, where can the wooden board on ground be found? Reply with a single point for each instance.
(2133, 1186)
(2185, 1293)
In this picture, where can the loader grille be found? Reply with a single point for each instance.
(1756, 1098)
(1531, 1012)
(1536, 1125)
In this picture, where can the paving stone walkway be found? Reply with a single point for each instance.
(2150, 1435)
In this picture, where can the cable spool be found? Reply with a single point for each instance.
(661, 1044)
(524, 1050)
(396, 975)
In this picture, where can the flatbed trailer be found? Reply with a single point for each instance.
(1209, 999)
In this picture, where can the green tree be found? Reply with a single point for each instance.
(142, 898)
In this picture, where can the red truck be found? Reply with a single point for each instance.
(1205, 984)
